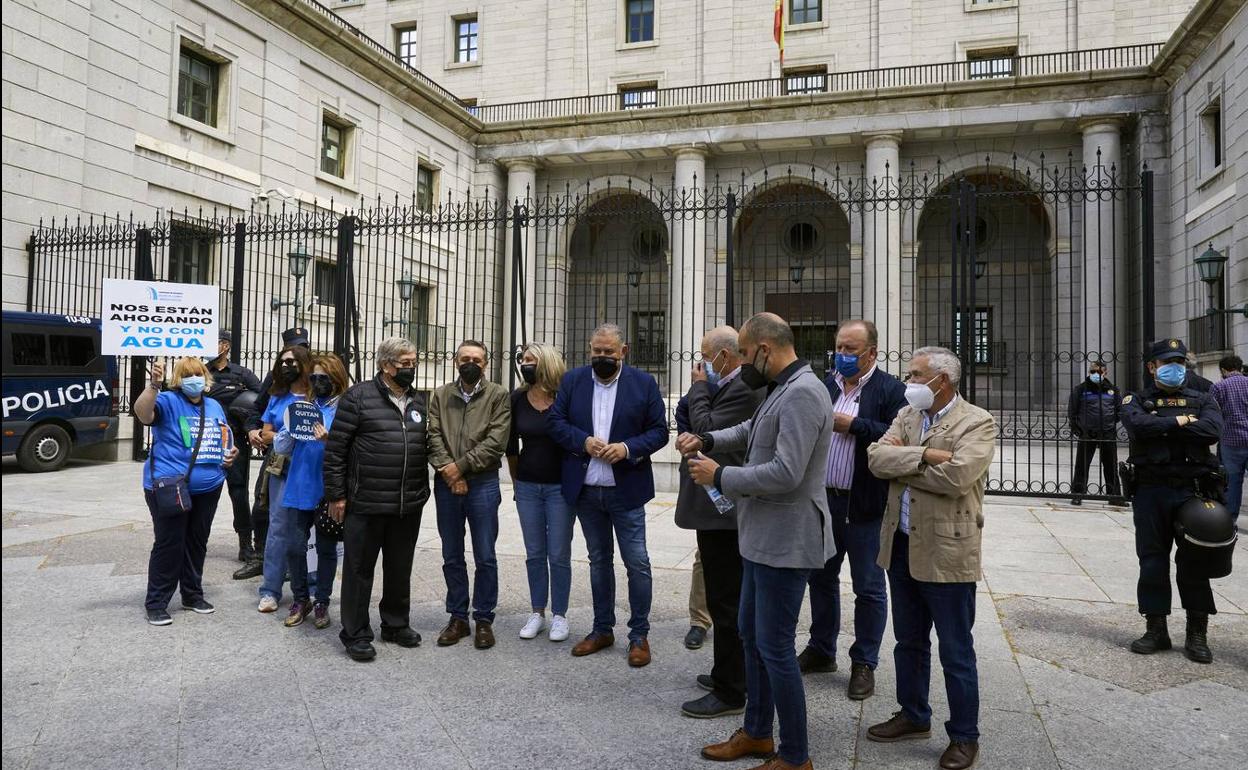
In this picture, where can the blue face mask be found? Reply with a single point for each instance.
(1171, 375)
(846, 365)
(193, 386)
(713, 377)
(1095, 377)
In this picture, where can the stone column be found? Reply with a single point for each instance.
(881, 241)
(521, 189)
(1104, 268)
(686, 315)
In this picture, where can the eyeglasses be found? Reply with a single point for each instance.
(405, 363)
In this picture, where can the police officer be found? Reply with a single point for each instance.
(229, 381)
(260, 509)
(1171, 427)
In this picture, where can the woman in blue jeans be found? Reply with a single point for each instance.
(302, 497)
(535, 461)
(290, 384)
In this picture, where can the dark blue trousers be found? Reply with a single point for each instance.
(1153, 508)
(178, 551)
(860, 541)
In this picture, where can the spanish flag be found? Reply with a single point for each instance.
(778, 29)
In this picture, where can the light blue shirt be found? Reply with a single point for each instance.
(928, 421)
(599, 473)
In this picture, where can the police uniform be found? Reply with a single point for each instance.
(1168, 461)
(228, 384)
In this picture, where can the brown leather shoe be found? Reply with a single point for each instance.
(897, 729)
(485, 636)
(639, 653)
(861, 682)
(738, 746)
(593, 643)
(776, 763)
(455, 630)
(960, 755)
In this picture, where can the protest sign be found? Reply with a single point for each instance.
(302, 417)
(215, 443)
(155, 318)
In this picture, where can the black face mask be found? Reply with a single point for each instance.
(604, 366)
(405, 376)
(470, 373)
(290, 373)
(321, 384)
(750, 374)
(528, 372)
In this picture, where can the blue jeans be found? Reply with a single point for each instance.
(479, 511)
(1235, 460)
(917, 605)
(547, 527)
(861, 541)
(771, 600)
(297, 558)
(600, 510)
(283, 530)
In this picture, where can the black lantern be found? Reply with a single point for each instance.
(981, 267)
(634, 278)
(407, 287)
(299, 259)
(796, 272)
(1210, 265)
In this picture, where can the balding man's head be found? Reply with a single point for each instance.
(768, 328)
(719, 349)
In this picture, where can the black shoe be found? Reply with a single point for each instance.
(706, 682)
(251, 569)
(1118, 502)
(811, 661)
(1196, 646)
(695, 637)
(1076, 500)
(404, 637)
(159, 617)
(1155, 639)
(245, 552)
(198, 605)
(362, 651)
(861, 682)
(709, 706)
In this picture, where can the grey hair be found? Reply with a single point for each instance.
(722, 338)
(942, 361)
(769, 327)
(392, 349)
(610, 330)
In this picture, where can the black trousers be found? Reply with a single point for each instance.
(1109, 465)
(721, 571)
(260, 511)
(237, 477)
(1153, 511)
(363, 539)
(178, 550)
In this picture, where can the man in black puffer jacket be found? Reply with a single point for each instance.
(1093, 412)
(376, 483)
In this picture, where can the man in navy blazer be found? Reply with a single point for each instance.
(865, 400)
(610, 418)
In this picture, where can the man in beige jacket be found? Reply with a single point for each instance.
(936, 455)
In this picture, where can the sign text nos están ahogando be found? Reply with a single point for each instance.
(186, 337)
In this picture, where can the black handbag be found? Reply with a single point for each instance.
(325, 525)
(173, 493)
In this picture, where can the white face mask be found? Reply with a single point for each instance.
(919, 396)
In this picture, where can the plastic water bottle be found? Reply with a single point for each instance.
(722, 503)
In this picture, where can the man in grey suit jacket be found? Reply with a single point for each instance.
(730, 403)
(784, 531)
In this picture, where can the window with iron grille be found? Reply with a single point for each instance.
(466, 39)
(649, 337)
(190, 254)
(640, 20)
(425, 180)
(198, 81)
(805, 11)
(324, 282)
(806, 80)
(405, 45)
(991, 62)
(334, 137)
(637, 97)
(980, 339)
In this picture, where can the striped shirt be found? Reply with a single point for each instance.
(841, 454)
(1232, 396)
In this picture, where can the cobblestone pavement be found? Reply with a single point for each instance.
(87, 683)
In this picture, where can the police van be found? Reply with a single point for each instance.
(58, 388)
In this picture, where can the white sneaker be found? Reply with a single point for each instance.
(559, 629)
(533, 627)
(267, 604)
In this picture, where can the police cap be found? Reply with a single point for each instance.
(1167, 350)
(296, 336)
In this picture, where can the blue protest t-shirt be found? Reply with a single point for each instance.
(275, 415)
(305, 486)
(173, 439)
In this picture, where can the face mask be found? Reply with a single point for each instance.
(1171, 375)
(604, 366)
(713, 377)
(919, 396)
(847, 365)
(751, 375)
(290, 372)
(404, 376)
(1095, 377)
(321, 384)
(528, 373)
(470, 373)
(193, 386)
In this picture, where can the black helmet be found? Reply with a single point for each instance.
(243, 406)
(1205, 533)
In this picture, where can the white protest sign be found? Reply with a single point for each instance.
(156, 318)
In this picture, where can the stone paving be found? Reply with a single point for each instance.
(88, 684)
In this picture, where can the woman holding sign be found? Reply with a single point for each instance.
(182, 480)
(308, 425)
(290, 385)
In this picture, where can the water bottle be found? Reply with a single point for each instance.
(722, 503)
